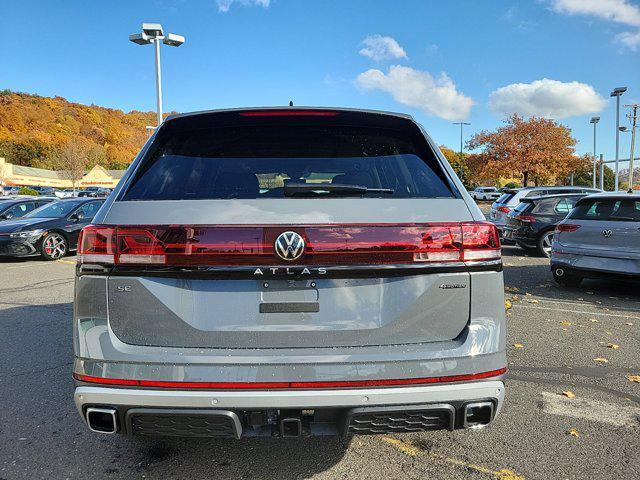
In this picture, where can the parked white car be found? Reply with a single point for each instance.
(485, 193)
(66, 193)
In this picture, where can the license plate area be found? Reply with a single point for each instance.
(289, 296)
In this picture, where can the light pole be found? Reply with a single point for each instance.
(461, 162)
(616, 93)
(153, 33)
(595, 121)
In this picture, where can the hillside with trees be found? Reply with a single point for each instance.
(36, 131)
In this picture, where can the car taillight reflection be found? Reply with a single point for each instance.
(567, 227)
(254, 245)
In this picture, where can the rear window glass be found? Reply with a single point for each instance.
(257, 161)
(505, 197)
(607, 210)
(522, 207)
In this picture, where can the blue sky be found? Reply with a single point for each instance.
(439, 61)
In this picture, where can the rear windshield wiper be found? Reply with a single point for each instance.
(291, 189)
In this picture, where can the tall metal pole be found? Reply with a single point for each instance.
(616, 93)
(617, 180)
(156, 43)
(602, 172)
(461, 144)
(594, 154)
(633, 117)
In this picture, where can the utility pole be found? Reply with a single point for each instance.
(633, 117)
(616, 93)
(461, 159)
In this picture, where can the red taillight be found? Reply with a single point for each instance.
(526, 218)
(291, 385)
(289, 113)
(254, 245)
(506, 210)
(480, 241)
(567, 227)
(96, 244)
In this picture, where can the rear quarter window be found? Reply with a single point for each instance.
(257, 161)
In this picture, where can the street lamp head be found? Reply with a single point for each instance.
(173, 40)
(622, 129)
(140, 38)
(618, 91)
(594, 120)
(152, 29)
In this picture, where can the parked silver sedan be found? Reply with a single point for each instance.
(600, 237)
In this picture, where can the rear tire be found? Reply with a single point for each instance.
(565, 278)
(544, 243)
(54, 246)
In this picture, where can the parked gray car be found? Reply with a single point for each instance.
(600, 237)
(289, 272)
(503, 206)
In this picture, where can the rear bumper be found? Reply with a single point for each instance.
(333, 411)
(592, 265)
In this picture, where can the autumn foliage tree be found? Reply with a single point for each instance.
(536, 150)
(458, 163)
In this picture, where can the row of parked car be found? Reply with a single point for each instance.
(586, 232)
(59, 193)
(45, 226)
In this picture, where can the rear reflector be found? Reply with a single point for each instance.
(289, 113)
(526, 218)
(567, 227)
(254, 245)
(402, 382)
(504, 209)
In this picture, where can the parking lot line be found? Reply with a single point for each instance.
(582, 312)
(410, 450)
(591, 410)
(569, 302)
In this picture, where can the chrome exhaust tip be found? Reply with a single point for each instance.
(102, 419)
(478, 414)
(559, 272)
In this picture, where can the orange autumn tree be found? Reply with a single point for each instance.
(536, 150)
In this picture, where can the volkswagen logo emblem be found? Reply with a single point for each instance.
(289, 246)
(607, 233)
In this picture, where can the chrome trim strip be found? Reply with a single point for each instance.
(294, 271)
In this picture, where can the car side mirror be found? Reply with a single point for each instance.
(76, 217)
(4, 217)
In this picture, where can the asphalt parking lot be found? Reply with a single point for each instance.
(585, 341)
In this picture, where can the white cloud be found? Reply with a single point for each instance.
(379, 48)
(629, 39)
(546, 98)
(225, 5)
(620, 11)
(419, 89)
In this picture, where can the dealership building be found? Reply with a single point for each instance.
(19, 175)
